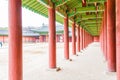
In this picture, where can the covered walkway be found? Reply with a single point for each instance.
(92, 20)
(89, 65)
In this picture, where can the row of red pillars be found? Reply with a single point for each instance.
(15, 39)
(110, 36)
(52, 38)
(83, 38)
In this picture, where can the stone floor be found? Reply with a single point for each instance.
(88, 65)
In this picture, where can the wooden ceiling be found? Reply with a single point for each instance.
(86, 13)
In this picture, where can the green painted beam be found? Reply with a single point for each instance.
(92, 2)
(95, 0)
(85, 16)
(89, 16)
(90, 22)
(44, 2)
(58, 4)
(81, 12)
(85, 19)
(93, 18)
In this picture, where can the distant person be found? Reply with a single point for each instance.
(0, 44)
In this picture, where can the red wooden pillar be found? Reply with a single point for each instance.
(102, 37)
(87, 39)
(15, 40)
(111, 43)
(96, 38)
(90, 38)
(58, 38)
(3, 39)
(41, 38)
(34, 39)
(45, 38)
(66, 38)
(78, 38)
(118, 37)
(81, 36)
(105, 31)
(83, 39)
(30, 39)
(90, 41)
(73, 39)
(52, 37)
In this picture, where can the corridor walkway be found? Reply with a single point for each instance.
(89, 65)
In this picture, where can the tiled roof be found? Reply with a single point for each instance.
(44, 28)
(25, 33)
(36, 31)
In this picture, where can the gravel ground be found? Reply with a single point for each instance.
(88, 65)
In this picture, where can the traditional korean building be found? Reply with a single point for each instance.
(28, 36)
(94, 20)
(44, 33)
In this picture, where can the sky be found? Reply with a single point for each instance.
(29, 18)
